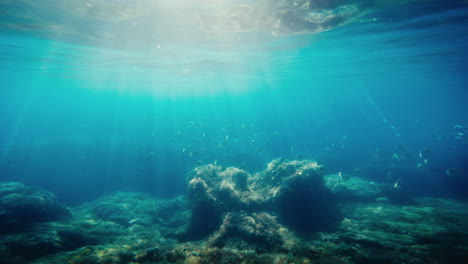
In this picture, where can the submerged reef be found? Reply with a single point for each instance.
(22, 206)
(292, 191)
(289, 213)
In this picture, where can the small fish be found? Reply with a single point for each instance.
(451, 172)
(397, 184)
(133, 221)
(458, 126)
(340, 175)
(396, 157)
(423, 153)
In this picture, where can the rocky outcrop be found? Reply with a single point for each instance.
(22, 206)
(288, 194)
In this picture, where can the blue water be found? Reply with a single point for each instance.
(82, 115)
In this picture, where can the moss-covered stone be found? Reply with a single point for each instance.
(22, 206)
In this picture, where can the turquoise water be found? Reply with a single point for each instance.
(80, 113)
(104, 96)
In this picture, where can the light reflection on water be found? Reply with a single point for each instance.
(145, 42)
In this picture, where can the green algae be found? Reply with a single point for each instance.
(134, 228)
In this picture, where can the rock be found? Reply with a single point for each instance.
(259, 231)
(128, 209)
(426, 230)
(293, 190)
(35, 244)
(345, 189)
(45, 239)
(124, 208)
(21, 206)
(213, 192)
(206, 211)
(297, 191)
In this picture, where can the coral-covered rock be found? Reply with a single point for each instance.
(228, 188)
(124, 208)
(214, 192)
(129, 209)
(258, 231)
(21, 206)
(205, 217)
(293, 190)
(427, 230)
(346, 188)
(297, 191)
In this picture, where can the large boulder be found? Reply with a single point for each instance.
(213, 192)
(21, 206)
(298, 193)
(258, 231)
(292, 190)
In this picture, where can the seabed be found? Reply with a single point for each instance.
(290, 213)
